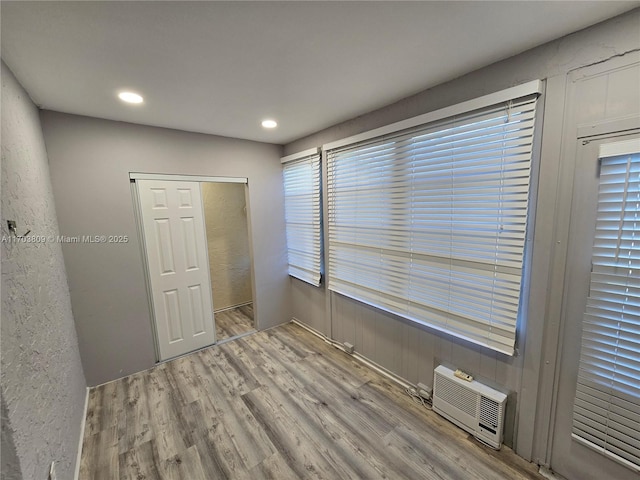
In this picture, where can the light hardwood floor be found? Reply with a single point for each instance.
(235, 321)
(278, 404)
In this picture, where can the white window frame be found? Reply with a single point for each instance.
(303, 215)
(531, 89)
(606, 412)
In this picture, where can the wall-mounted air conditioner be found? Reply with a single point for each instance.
(471, 405)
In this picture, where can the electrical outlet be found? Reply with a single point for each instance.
(348, 347)
(52, 471)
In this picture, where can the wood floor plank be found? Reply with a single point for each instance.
(313, 416)
(285, 349)
(280, 404)
(431, 463)
(232, 322)
(382, 391)
(357, 372)
(107, 406)
(101, 450)
(366, 430)
(240, 373)
(181, 374)
(133, 422)
(245, 433)
(170, 438)
(247, 310)
(139, 463)
(273, 468)
(184, 465)
(240, 379)
(501, 465)
(357, 445)
(256, 348)
(210, 458)
(353, 447)
(348, 403)
(94, 411)
(219, 455)
(299, 451)
(238, 349)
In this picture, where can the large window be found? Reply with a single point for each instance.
(301, 174)
(430, 222)
(607, 404)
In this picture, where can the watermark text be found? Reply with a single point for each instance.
(65, 239)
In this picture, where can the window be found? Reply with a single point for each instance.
(429, 222)
(301, 174)
(606, 411)
(367, 176)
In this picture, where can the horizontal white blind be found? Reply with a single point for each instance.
(430, 223)
(302, 214)
(607, 404)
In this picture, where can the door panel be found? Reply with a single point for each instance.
(174, 236)
(570, 458)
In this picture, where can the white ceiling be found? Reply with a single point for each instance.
(222, 67)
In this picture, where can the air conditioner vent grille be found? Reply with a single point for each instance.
(463, 398)
(474, 406)
(489, 411)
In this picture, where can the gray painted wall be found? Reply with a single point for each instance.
(411, 351)
(602, 98)
(43, 384)
(225, 217)
(90, 161)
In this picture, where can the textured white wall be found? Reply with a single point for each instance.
(228, 243)
(43, 384)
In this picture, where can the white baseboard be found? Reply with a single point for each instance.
(82, 426)
(309, 329)
(549, 474)
(224, 309)
(361, 358)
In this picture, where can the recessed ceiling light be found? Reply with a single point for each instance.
(269, 123)
(130, 97)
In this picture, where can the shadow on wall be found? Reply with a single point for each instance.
(10, 466)
(228, 243)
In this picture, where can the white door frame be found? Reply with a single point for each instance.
(133, 177)
(185, 178)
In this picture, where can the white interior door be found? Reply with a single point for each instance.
(175, 241)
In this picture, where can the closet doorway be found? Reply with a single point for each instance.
(197, 257)
(227, 232)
